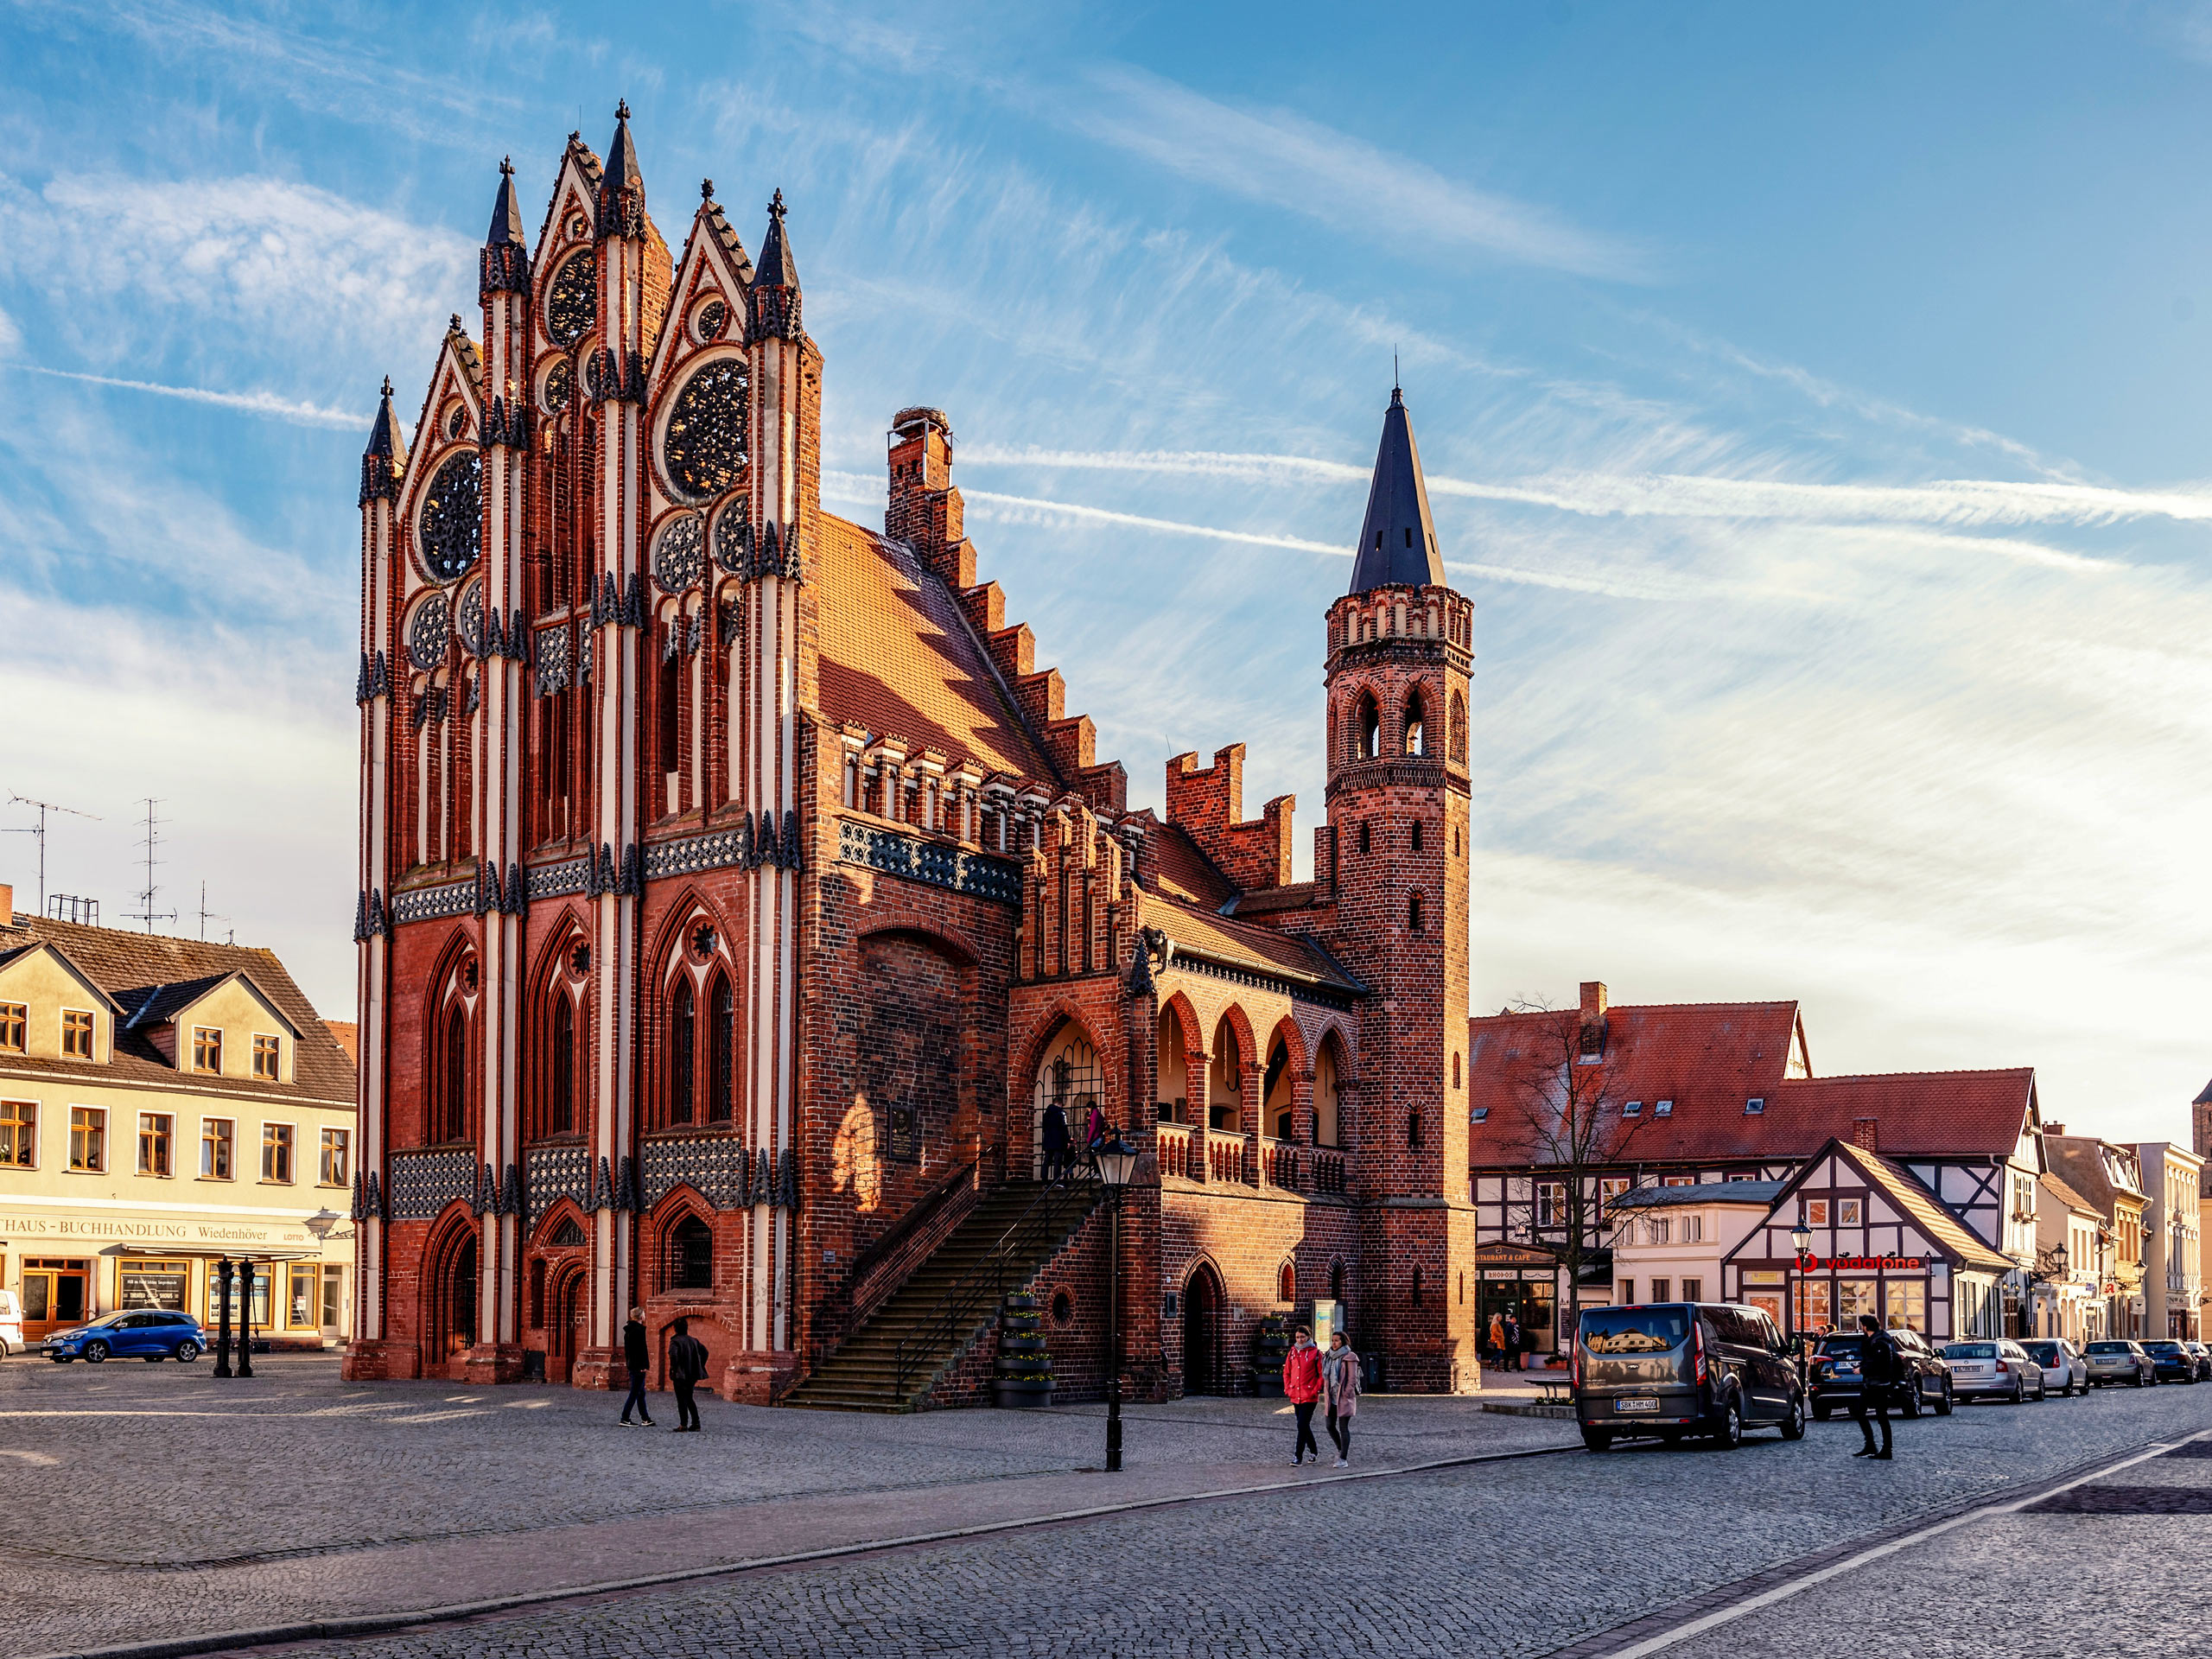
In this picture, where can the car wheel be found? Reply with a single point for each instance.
(1948, 1403)
(2042, 1391)
(2139, 1379)
(1793, 1426)
(1730, 1434)
(1911, 1403)
(2019, 1390)
(95, 1353)
(187, 1351)
(1596, 1439)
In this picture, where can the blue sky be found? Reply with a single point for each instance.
(1815, 404)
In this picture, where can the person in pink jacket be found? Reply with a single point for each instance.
(1302, 1386)
(1340, 1387)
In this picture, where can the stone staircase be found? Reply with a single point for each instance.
(1024, 1222)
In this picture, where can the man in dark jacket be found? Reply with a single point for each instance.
(636, 1357)
(1877, 1375)
(687, 1363)
(1056, 1142)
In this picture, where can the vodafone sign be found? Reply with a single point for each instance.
(1810, 1263)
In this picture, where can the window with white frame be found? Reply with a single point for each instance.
(1551, 1204)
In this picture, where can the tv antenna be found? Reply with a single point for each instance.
(146, 912)
(208, 916)
(39, 830)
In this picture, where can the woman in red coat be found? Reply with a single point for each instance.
(1302, 1386)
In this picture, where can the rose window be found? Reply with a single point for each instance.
(452, 522)
(704, 450)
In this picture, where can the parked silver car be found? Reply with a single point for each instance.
(2063, 1367)
(2119, 1360)
(2000, 1367)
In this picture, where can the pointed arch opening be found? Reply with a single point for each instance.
(721, 1050)
(1328, 1085)
(681, 1051)
(1203, 1372)
(1225, 1078)
(1069, 1083)
(1367, 728)
(1416, 729)
(688, 1255)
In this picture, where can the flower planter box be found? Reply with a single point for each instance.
(1012, 1393)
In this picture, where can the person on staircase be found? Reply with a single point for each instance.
(1056, 1142)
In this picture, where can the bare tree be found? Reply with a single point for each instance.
(1566, 1092)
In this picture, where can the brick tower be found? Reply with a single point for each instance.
(1400, 646)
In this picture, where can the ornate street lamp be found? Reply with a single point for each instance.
(1117, 1163)
(321, 1222)
(1802, 1236)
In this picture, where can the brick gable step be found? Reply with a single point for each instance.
(862, 1373)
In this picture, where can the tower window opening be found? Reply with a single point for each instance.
(1416, 834)
(1409, 536)
(1366, 837)
(1370, 729)
(1413, 911)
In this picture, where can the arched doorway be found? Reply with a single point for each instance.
(565, 1311)
(1202, 1333)
(1068, 1077)
(453, 1325)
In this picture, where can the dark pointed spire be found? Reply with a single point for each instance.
(1397, 544)
(775, 281)
(384, 436)
(506, 212)
(622, 155)
(385, 459)
(621, 186)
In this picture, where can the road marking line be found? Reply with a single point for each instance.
(1765, 1598)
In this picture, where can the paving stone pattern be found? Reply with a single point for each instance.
(1516, 1558)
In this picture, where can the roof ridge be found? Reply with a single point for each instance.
(1887, 1077)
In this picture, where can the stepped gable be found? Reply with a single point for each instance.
(899, 657)
(152, 971)
(924, 518)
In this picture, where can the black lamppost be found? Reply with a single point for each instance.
(1117, 1163)
(223, 1317)
(245, 1317)
(1800, 1236)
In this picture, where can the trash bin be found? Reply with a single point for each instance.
(1371, 1373)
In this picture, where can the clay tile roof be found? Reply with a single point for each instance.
(349, 1037)
(899, 657)
(1920, 1114)
(1706, 1057)
(1181, 870)
(2066, 1195)
(1244, 944)
(136, 968)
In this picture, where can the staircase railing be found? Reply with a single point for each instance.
(879, 1270)
(1049, 1215)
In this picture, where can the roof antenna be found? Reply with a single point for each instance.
(146, 912)
(1393, 369)
(44, 807)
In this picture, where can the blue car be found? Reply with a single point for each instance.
(152, 1334)
(2175, 1363)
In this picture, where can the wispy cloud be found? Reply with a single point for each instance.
(1289, 162)
(266, 403)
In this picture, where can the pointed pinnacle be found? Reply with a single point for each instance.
(387, 385)
(776, 205)
(706, 190)
(507, 166)
(453, 323)
(622, 110)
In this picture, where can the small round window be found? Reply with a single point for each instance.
(1063, 1308)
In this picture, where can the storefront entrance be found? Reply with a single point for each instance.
(56, 1295)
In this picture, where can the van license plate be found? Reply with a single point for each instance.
(1635, 1405)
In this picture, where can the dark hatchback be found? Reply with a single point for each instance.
(2171, 1361)
(1675, 1369)
(1923, 1379)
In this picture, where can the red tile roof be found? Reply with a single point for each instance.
(898, 657)
(1919, 1114)
(1244, 944)
(1181, 870)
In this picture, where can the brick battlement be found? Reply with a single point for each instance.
(1208, 804)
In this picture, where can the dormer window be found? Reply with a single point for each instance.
(77, 1033)
(1664, 1108)
(1633, 1109)
(207, 1048)
(266, 1058)
(1480, 1114)
(1754, 1106)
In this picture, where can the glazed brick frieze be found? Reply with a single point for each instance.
(557, 1172)
(431, 904)
(558, 880)
(719, 1166)
(974, 874)
(420, 1184)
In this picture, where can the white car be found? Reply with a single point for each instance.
(1999, 1367)
(2063, 1367)
(11, 1324)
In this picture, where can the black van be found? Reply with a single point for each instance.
(1671, 1368)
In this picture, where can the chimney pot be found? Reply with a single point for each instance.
(1863, 1132)
(1594, 1017)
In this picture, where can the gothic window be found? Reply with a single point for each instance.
(1455, 1068)
(450, 526)
(1225, 1084)
(1328, 1120)
(707, 321)
(449, 1102)
(1366, 837)
(704, 450)
(1416, 834)
(1287, 1282)
(1456, 739)
(1416, 726)
(682, 1034)
(1070, 1079)
(691, 1255)
(568, 1233)
(428, 632)
(572, 306)
(1335, 1281)
(721, 1100)
(1275, 1092)
(681, 558)
(560, 382)
(560, 1069)
(1368, 729)
(671, 691)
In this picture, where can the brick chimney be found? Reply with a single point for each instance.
(1863, 1133)
(2054, 1129)
(923, 508)
(1594, 1017)
(7, 905)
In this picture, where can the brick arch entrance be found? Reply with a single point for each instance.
(566, 1308)
(452, 1295)
(1203, 1370)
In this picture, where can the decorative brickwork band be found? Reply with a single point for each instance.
(977, 875)
(423, 1183)
(432, 904)
(557, 881)
(555, 1172)
(716, 1166)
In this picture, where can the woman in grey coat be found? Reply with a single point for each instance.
(1340, 1393)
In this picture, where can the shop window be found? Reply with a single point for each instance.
(215, 1133)
(333, 1164)
(77, 1033)
(302, 1306)
(18, 1133)
(87, 1138)
(334, 1296)
(266, 1055)
(1812, 1300)
(207, 1048)
(152, 1284)
(15, 1027)
(1854, 1297)
(154, 1135)
(277, 1152)
(1905, 1304)
(691, 1256)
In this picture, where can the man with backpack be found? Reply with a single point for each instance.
(687, 1363)
(1877, 1375)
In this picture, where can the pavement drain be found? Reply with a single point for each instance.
(2126, 1500)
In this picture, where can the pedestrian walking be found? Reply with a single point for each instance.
(1340, 1393)
(1510, 1356)
(636, 1357)
(1878, 1374)
(687, 1363)
(1302, 1386)
(1497, 1342)
(1056, 1142)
